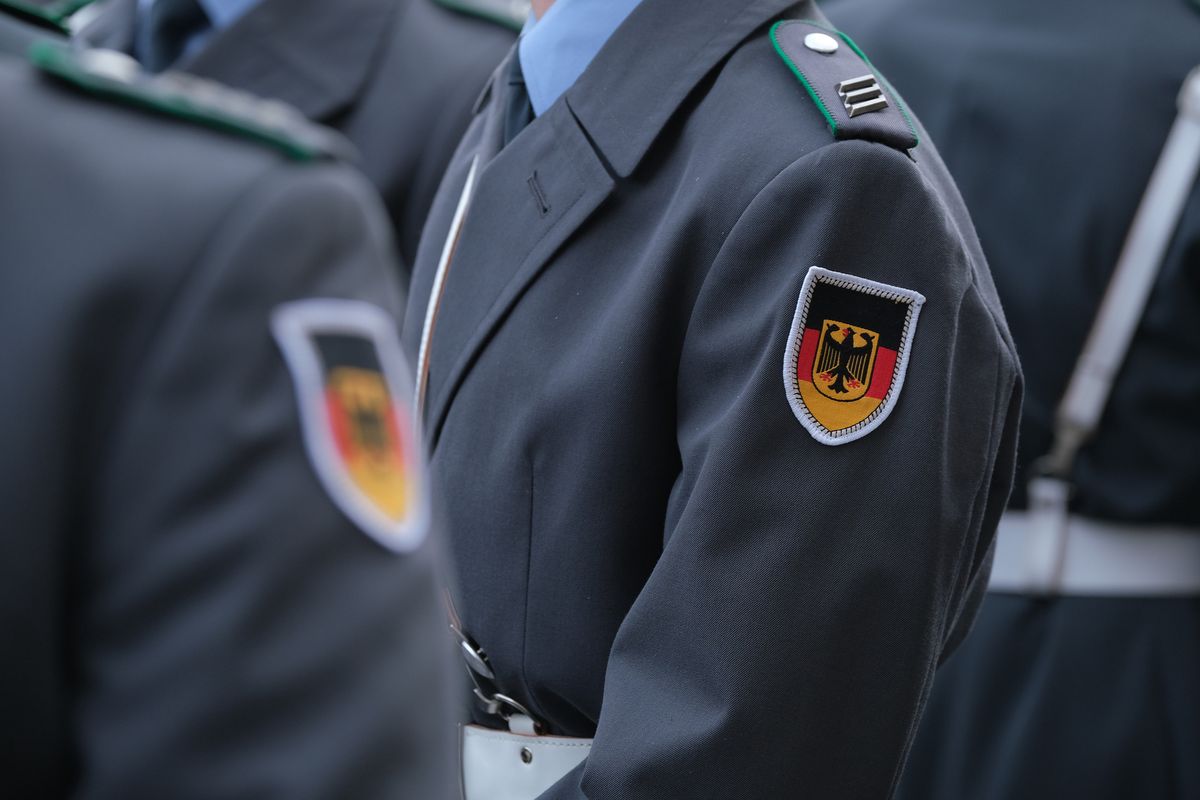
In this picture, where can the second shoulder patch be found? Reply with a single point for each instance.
(855, 101)
(352, 386)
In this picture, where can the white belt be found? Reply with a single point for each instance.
(1080, 556)
(498, 765)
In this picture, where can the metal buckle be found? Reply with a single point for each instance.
(481, 673)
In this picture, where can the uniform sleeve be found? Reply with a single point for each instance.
(240, 637)
(786, 640)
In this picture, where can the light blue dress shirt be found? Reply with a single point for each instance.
(556, 49)
(221, 14)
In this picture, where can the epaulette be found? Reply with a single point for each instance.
(509, 13)
(52, 14)
(117, 77)
(854, 99)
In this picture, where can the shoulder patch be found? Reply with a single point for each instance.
(115, 76)
(52, 14)
(854, 99)
(847, 353)
(509, 13)
(352, 387)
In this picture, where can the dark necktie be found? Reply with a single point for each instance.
(166, 29)
(518, 111)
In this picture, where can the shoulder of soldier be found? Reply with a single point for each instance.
(508, 13)
(835, 79)
(115, 78)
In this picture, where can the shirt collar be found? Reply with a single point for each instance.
(556, 49)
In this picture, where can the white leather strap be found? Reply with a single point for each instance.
(1116, 322)
(497, 765)
(1095, 558)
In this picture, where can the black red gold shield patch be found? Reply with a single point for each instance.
(847, 353)
(353, 387)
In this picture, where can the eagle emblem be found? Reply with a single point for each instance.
(847, 353)
(352, 384)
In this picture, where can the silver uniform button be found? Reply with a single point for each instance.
(821, 43)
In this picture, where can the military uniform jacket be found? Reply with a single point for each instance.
(1052, 237)
(17, 33)
(651, 546)
(397, 77)
(186, 613)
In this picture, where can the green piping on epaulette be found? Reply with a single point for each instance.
(63, 62)
(54, 15)
(833, 126)
(513, 19)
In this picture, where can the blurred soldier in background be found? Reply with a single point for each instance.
(216, 580)
(720, 392)
(397, 77)
(1082, 676)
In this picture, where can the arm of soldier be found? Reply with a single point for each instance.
(241, 637)
(786, 640)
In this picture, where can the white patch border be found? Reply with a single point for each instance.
(294, 325)
(791, 353)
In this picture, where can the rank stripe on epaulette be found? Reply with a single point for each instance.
(817, 97)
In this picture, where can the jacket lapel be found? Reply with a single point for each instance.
(312, 54)
(540, 189)
(112, 28)
(529, 199)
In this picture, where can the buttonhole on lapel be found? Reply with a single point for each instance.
(539, 196)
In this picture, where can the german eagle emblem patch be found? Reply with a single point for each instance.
(351, 384)
(847, 353)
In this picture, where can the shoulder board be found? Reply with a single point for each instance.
(509, 13)
(52, 14)
(115, 76)
(854, 99)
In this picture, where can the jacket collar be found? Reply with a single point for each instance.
(313, 54)
(624, 102)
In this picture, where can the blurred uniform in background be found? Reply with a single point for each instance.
(1051, 117)
(397, 77)
(216, 579)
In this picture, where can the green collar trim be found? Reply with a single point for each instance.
(115, 76)
(53, 14)
(820, 101)
(510, 14)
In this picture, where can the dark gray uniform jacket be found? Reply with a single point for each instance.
(1051, 117)
(17, 33)
(651, 547)
(185, 612)
(397, 77)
